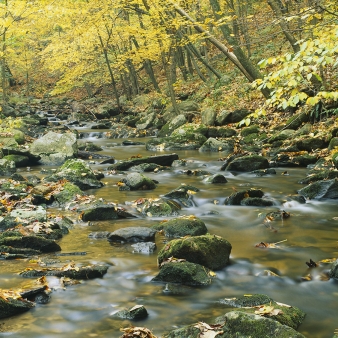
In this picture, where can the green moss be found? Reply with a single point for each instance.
(68, 193)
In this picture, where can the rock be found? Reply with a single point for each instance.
(37, 213)
(132, 234)
(8, 142)
(297, 120)
(77, 172)
(318, 176)
(254, 129)
(137, 181)
(162, 160)
(7, 167)
(220, 132)
(333, 143)
(256, 201)
(248, 163)
(208, 116)
(137, 312)
(131, 143)
(240, 324)
(216, 145)
(144, 247)
(67, 194)
(85, 272)
(335, 159)
(99, 234)
(238, 196)
(146, 167)
(321, 189)
(169, 127)
(11, 307)
(33, 159)
(182, 226)
(222, 118)
(185, 273)
(210, 251)
(159, 208)
(19, 160)
(146, 121)
(98, 212)
(333, 273)
(29, 242)
(216, 179)
(311, 144)
(88, 147)
(264, 172)
(182, 195)
(282, 136)
(55, 148)
(288, 315)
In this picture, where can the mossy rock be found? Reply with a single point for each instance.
(214, 145)
(181, 195)
(297, 120)
(321, 189)
(185, 273)
(322, 175)
(190, 129)
(247, 301)
(187, 142)
(7, 167)
(137, 181)
(182, 226)
(68, 193)
(310, 144)
(11, 307)
(333, 143)
(254, 129)
(238, 196)
(77, 172)
(248, 163)
(160, 208)
(137, 312)
(216, 179)
(221, 132)
(19, 160)
(335, 159)
(208, 250)
(8, 142)
(256, 201)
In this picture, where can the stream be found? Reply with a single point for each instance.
(86, 310)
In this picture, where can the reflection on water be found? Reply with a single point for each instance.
(87, 310)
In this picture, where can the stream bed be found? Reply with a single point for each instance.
(86, 309)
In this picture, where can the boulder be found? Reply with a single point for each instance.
(220, 132)
(333, 143)
(182, 226)
(333, 273)
(144, 247)
(146, 121)
(310, 144)
(11, 306)
(216, 146)
(67, 194)
(183, 195)
(236, 197)
(256, 201)
(77, 172)
(169, 127)
(208, 250)
(137, 181)
(297, 120)
(185, 273)
(216, 179)
(159, 207)
(36, 213)
(253, 129)
(137, 312)
(19, 160)
(162, 160)
(248, 163)
(321, 189)
(55, 148)
(33, 159)
(7, 167)
(132, 234)
(208, 116)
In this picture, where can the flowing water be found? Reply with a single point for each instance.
(86, 310)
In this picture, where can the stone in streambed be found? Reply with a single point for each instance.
(185, 273)
(137, 181)
(248, 163)
(132, 234)
(182, 226)
(237, 197)
(321, 189)
(11, 307)
(208, 250)
(137, 312)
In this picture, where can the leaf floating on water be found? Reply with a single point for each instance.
(307, 278)
(269, 245)
(328, 260)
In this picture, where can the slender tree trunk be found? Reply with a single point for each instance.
(132, 77)
(191, 56)
(113, 82)
(3, 65)
(278, 12)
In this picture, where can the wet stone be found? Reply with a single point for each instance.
(132, 234)
(144, 248)
(137, 312)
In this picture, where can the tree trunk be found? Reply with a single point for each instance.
(243, 64)
(278, 12)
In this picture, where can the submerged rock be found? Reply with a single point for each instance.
(185, 273)
(183, 195)
(132, 234)
(208, 250)
(11, 306)
(182, 226)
